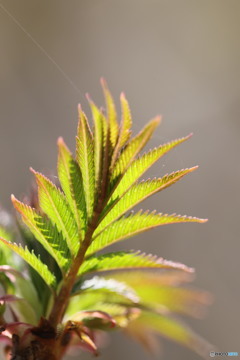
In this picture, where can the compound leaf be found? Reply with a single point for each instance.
(54, 204)
(139, 192)
(45, 232)
(133, 148)
(127, 260)
(140, 166)
(158, 292)
(128, 226)
(33, 261)
(172, 329)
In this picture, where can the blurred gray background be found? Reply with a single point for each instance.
(179, 58)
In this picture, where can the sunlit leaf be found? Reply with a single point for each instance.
(71, 181)
(46, 233)
(140, 166)
(125, 128)
(138, 193)
(5, 252)
(54, 204)
(126, 123)
(128, 226)
(132, 149)
(111, 114)
(85, 159)
(33, 261)
(108, 286)
(100, 141)
(163, 293)
(173, 329)
(127, 260)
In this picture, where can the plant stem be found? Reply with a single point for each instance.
(68, 282)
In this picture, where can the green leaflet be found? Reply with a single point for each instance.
(100, 133)
(54, 204)
(126, 123)
(127, 260)
(129, 153)
(72, 184)
(5, 234)
(125, 128)
(131, 225)
(140, 166)
(47, 234)
(102, 286)
(33, 261)
(111, 114)
(139, 192)
(85, 159)
(158, 293)
(173, 329)
(5, 252)
(97, 299)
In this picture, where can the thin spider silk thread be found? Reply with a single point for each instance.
(70, 81)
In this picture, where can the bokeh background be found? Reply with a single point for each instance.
(179, 58)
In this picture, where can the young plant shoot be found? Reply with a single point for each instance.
(62, 290)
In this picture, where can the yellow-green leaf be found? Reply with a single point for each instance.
(111, 114)
(100, 141)
(132, 150)
(54, 204)
(138, 193)
(33, 261)
(141, 165)
(45, 233)
(127, 260)
(172, 329)
(72, 184)
(129, 226)
(85, 159)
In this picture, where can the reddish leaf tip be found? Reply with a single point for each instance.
(60, 141)
(103, 81)
(157, 119)
(88, 97)
(13, 199)
(32, 170)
